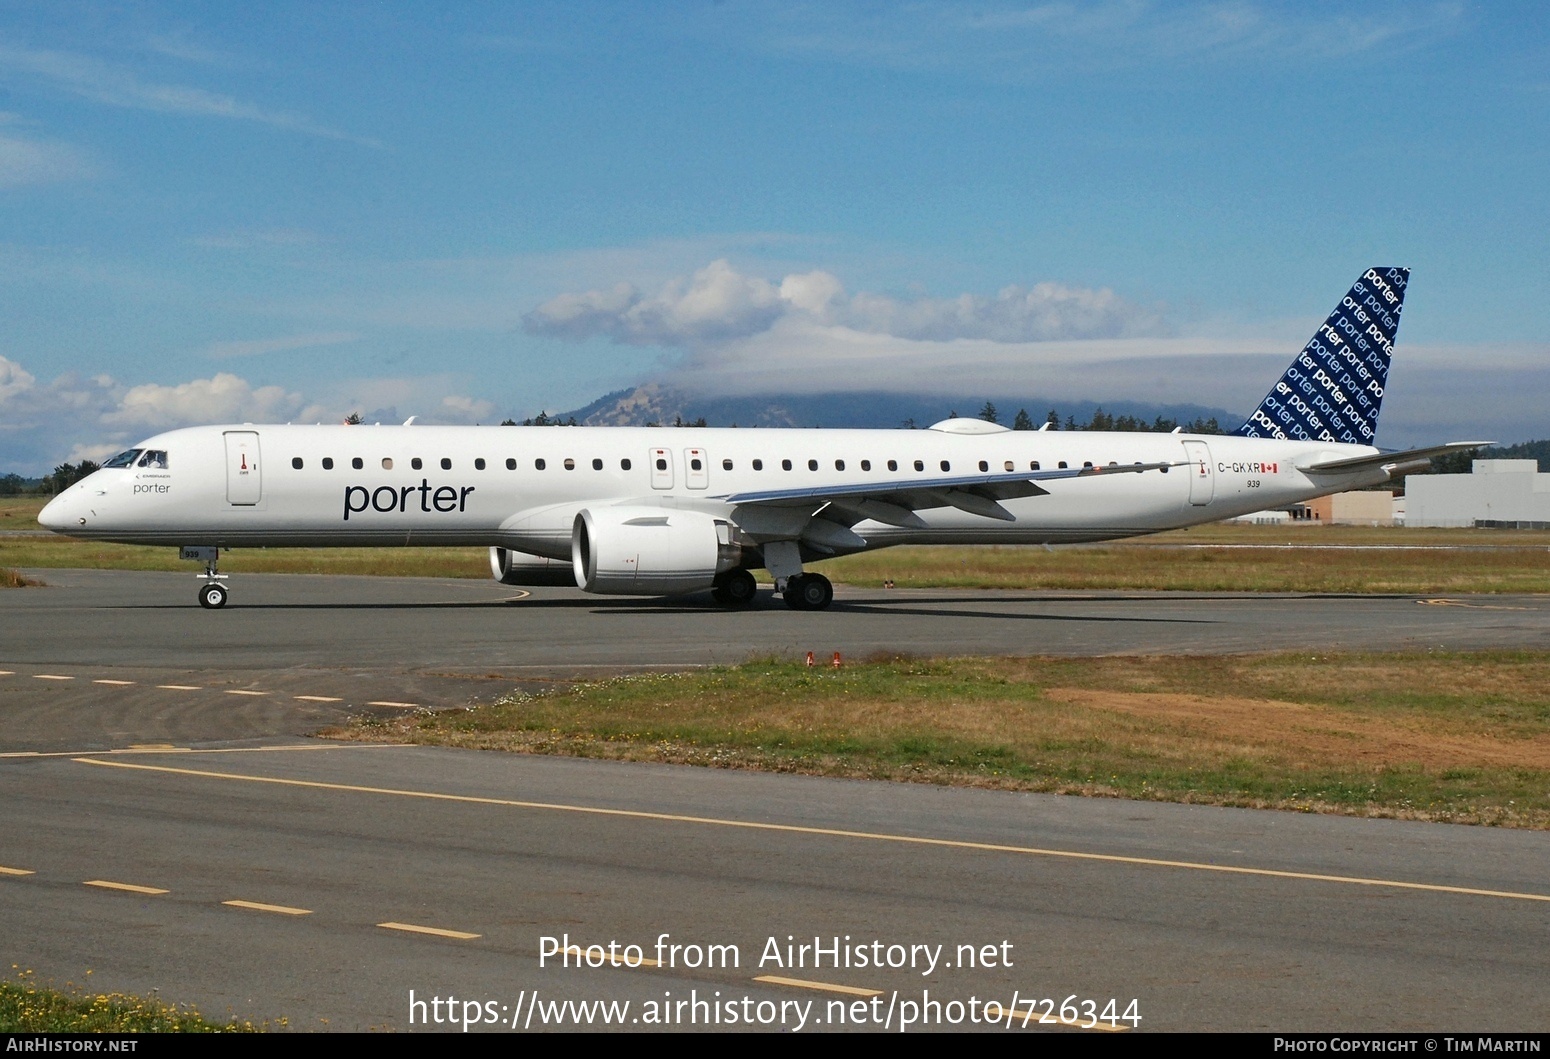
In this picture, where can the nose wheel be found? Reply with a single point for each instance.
(212, 594)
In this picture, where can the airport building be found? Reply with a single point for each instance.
(1365, 507)
(1497, 494)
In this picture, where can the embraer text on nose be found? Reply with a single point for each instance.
(391, 499)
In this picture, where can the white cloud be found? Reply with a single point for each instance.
(14, 379)
(224, 398)
(1024, 42)
(257, 347)
(715, 302)
(719, 304)
(93, 79)
(460, 409)
(25, 161)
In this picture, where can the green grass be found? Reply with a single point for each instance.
(26, 1007)
(1463, 737)
(1486, 561)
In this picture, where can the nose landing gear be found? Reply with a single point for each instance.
(212, 594)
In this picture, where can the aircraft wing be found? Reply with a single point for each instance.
(1385, 459)
(896, 502)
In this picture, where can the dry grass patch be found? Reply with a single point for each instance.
(1371, 734)
(1496, 568)
(13, 579)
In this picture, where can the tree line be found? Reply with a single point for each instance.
(62, 478)
(1100, 420)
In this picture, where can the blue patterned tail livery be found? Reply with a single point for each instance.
(1334, 388)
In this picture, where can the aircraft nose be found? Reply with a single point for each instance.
(55, 514)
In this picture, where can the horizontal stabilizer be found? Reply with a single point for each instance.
(1385, 459)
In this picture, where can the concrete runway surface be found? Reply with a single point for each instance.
(251, 872)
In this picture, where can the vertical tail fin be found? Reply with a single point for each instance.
(1333, 390)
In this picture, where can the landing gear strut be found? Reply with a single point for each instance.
(212, 594)
(735, 588)
(808, 592)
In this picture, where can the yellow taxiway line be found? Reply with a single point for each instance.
(284, 910)
(460, 935)
(832, 832)
(126, 887)
(828, 987)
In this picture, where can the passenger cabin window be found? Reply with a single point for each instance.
(1009, 465)
(661, 464)
(1088, 464)
(597, 465)
(124, 459)
(539, 464)
(758, 465)
(479, 464)
(839, 465)
(357, 463)
(417, 463)
(446, 464)
(624, 465)
(328, 463)
(920, 465)
(893, 465)
(1062, 465)
(387, 463)
(985, 466)
(812, 465)
(785, 465)
(570, 464)
(946, 466)
(296, 462)
(1033, 465)
(696, 464)
(511, 464)
(866, 465)
(726, 465)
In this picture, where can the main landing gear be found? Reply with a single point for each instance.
(802, 591)
(808, 592)
(212, 594)
(735, 588)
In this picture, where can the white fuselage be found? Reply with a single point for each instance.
(521, 487)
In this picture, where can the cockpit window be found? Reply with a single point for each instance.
(124, 459)
(154, 458)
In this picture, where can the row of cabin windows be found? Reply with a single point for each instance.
(446, 464)
(695, 463)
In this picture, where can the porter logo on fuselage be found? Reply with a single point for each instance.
(394, 499)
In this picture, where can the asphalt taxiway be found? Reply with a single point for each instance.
(167, 830)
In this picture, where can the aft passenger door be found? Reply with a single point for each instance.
(1202, 483)
(661, 469)
(244, 486)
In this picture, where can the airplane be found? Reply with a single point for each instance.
(644, 511)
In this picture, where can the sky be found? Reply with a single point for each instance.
(289, 212)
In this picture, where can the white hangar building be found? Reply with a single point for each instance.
(1500, 494)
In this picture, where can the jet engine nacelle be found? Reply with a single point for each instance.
(650, 551)
(519, 568)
